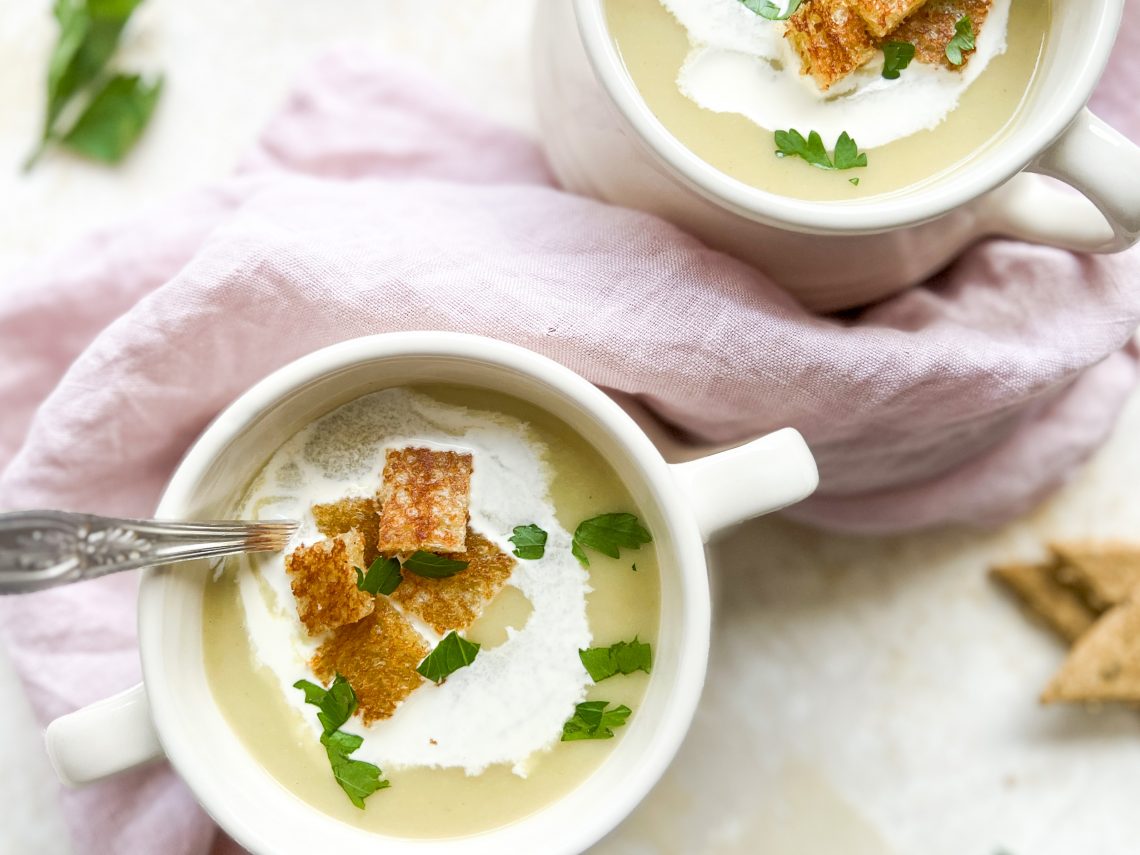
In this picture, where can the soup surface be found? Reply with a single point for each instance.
(663, 58)
(495, 752)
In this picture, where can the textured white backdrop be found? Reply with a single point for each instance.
(866, 697)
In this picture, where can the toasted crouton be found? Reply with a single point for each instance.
(882, 16)
(1059, 606)
(455, 601)
(931, 28)
(323, 578)
(1105, 574)
(378, 656)
(831, 40)
(1104, 665)
(356, 512)
(424, 501)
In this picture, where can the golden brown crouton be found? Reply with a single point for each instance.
(931, 28)
(1060, 607)
(1105, 574)
(1105, 664)
(882, 16)
(830, 38)
(356, 512)
(323, 578)
(424, 500)
(378, 656)
(455, 601)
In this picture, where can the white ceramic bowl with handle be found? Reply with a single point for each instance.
(602, 140)
(174, 712)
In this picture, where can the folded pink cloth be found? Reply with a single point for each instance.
(375, 203)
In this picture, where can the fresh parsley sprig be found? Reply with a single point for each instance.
(383, 577)
(433, 566)
(116, 107)
(608, 534)
(591, 720)
(768, 9)
(451, 654)
(625, 657)
(335, 706)
(791, 143)
(896, 57)
(529, 541)
(962, 40)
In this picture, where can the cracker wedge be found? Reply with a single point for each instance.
(1036, 585)
(830, 38)
(882, 16)
(323, 578)
(356, 512)
(456, 601)
(424, 501)
(931, 28)
(1104, 665)
(1105, 574)
(378, 656)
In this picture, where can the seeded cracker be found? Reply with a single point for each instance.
(456, 601)
(1105, 574)
(1105, 664)
(356, 512)
(424, 501)
(931, 28)
(378, 656)
(1060, 607)
(830, 38)
(323, 578)
(882, 16)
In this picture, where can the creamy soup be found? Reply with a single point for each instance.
(723, 80)
(485, 746)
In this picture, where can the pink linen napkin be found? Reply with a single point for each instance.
(376, 203)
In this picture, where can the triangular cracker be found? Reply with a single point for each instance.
(1105, 574)
(1060, 607)
(1104, 664)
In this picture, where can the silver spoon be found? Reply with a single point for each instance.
(42, 549)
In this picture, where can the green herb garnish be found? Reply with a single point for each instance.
(383, 577)
(117, 106)
(854, 181)
(608, 534)
(896, 57)
(592, 720)
(768, 9)
(625, 657)
(962, 40)
(357, 778)
(336, 704)
(433, 566)
(451, 654)
(529, 541)
(791, 143)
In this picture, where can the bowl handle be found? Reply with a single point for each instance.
(1093, 158)
(108, 736)
(764, 475)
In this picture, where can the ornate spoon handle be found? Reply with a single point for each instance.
(42, 549)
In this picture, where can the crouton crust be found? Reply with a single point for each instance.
(323, 579)
(355, 512)
(456, 601)
(882, 16)
(424, 500)
(931, 28)
(831, 40)
(378, 656)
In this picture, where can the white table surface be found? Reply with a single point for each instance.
(866, 696)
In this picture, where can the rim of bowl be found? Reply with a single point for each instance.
(857, 216)
(676, 715)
